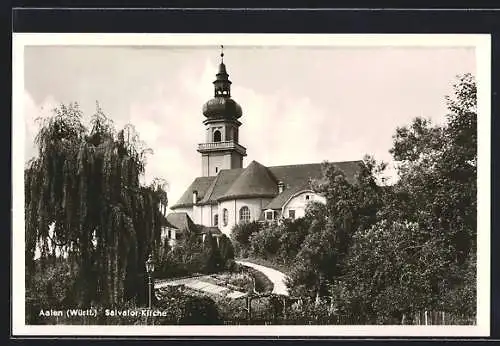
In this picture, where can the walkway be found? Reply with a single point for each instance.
(199, 285)
(276, 277)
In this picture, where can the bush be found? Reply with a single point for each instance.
(266, 242)
(276, 242)
(231, 309)
(51, 287)
(191, 256)
(187, 309)
(240, 235)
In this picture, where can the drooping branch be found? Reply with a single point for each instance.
(86, 183)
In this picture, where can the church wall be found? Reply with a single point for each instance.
(299, 203)
(236, 160)
(204, 165)
(255, 205)
(205, 215)
(214, 210)
(209, 137)
(229, 132)
(213, 161)
(197, 214)
(229, 205)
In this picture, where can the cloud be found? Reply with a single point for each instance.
(172, 126)
(347, 104)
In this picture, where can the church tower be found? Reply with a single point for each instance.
(221, 149)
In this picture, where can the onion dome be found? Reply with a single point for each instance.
(222, 105)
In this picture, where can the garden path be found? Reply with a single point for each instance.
(277, 278)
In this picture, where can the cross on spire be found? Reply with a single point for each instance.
(222, 53)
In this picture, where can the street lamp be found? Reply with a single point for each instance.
(150, 268)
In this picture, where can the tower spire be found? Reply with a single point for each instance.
(221, 149)
(222, 83)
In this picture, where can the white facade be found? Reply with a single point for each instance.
(170, 234)
(295, 207)
(187, 210)
(206, 214)
(233, 207)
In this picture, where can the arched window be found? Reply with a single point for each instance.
(216, 219)
(244, 214)
(217, 136)
(225, 217)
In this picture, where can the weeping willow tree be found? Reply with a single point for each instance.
(84, 202)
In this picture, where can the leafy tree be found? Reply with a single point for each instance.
(292, 236)
(349, 208)
(420, 253)
(384, 252)
(84, 202)
(439, 171)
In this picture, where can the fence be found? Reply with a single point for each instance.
(271, 309)
(437, 318)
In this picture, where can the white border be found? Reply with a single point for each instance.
(482, 44)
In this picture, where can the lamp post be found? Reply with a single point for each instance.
(150, 268)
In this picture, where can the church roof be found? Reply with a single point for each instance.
(254, 181)
(200, 185)
(206, 229)
(296, 178)
(221, 184)
(181, 221)
(257, 180)
(280, 200)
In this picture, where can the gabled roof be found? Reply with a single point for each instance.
(296, 178)
(257, 180)
(181, 221)
(206, 229)
(282, 198)
(220, 185)
(254, 181)
(200, 185)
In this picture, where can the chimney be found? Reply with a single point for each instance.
(281, 186)
(195, 197)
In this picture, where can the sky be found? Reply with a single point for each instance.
(300, 104)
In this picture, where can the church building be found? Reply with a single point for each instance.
(227, 193)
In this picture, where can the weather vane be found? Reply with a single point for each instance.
(222, 53)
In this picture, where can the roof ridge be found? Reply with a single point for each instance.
(210, 189)
(315, 163)
(244, 184)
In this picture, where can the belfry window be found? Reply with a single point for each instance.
(216, 220)
(217, 136)
(244, 214)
